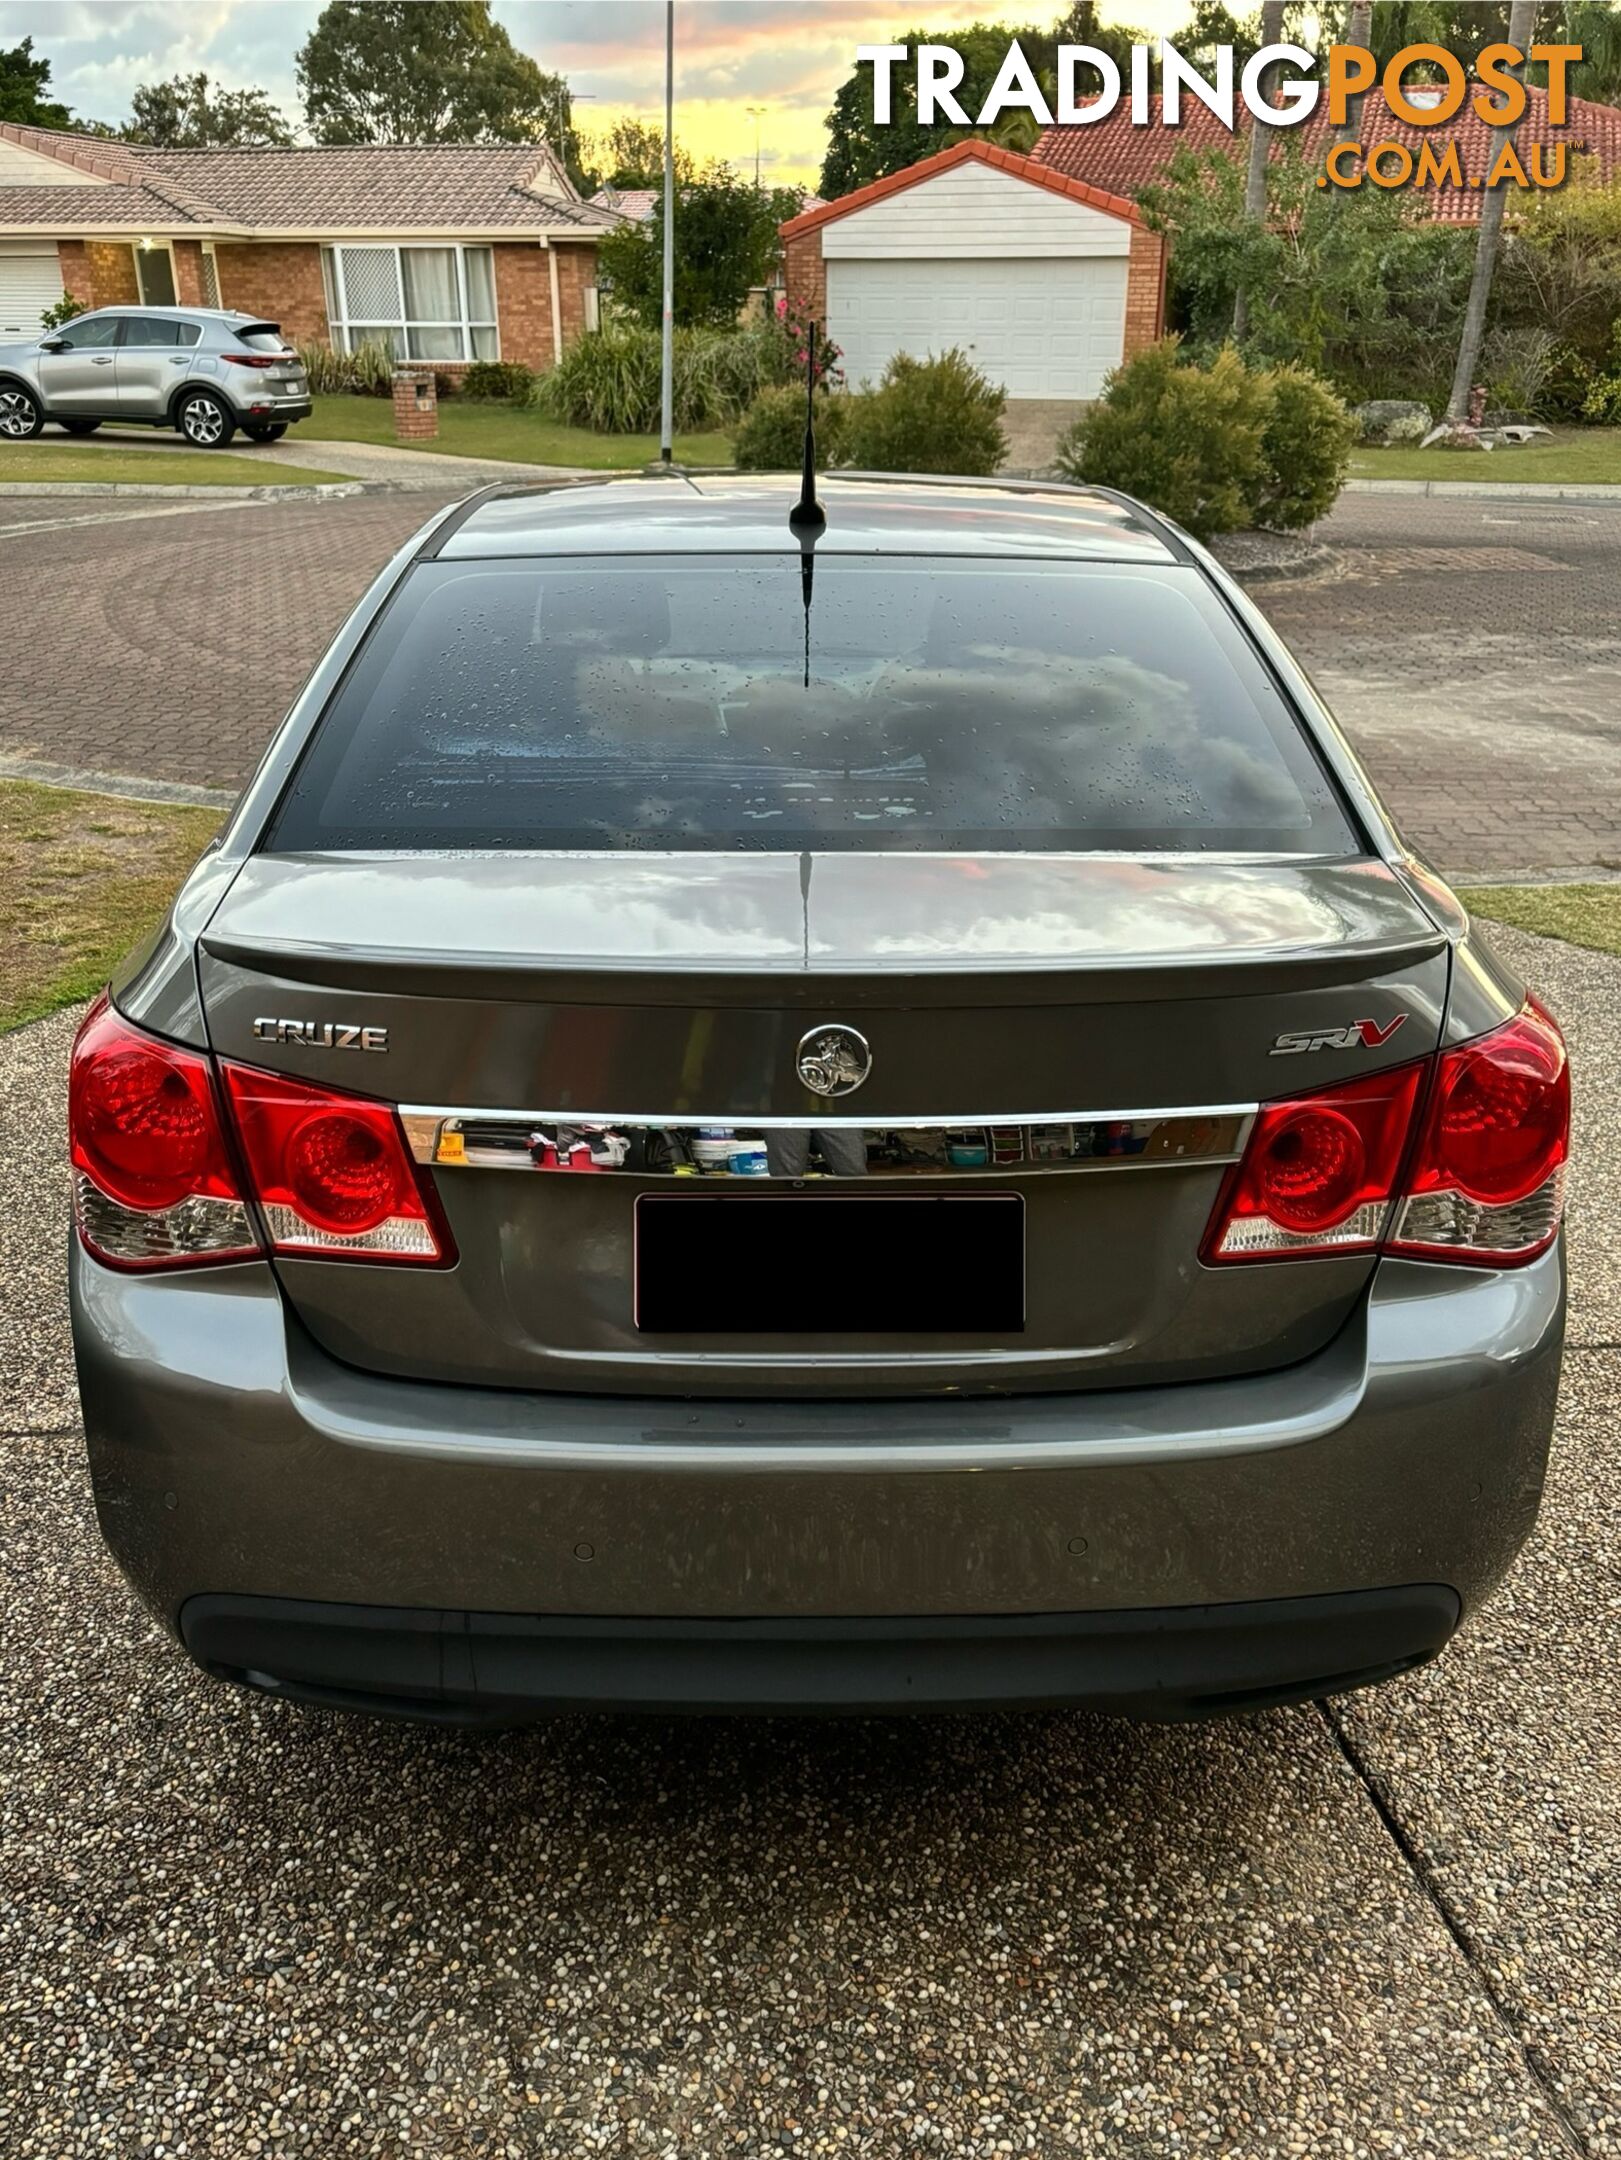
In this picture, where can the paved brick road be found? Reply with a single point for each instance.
(170, 645)
(1472, 651)
(1473, 655)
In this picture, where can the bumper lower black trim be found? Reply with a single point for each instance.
(471, 1668)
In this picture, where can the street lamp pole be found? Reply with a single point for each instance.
(667, 350)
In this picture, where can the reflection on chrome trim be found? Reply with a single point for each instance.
(824, 1147)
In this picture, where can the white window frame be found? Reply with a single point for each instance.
(211, 255)
(346, 334)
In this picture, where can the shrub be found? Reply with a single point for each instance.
(609, 379)
(368, 371)
(771, 437)
(1187, 440)
(1515, 366)
(1216, 448)
(62, 311)
(1306, 444)
(498, 379)
(938, 415)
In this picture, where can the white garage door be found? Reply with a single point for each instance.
(28, 285)
(1043, 327)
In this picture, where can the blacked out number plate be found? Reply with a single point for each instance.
(814, 1264)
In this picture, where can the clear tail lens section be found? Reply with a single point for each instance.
(1483, 1183)
(153, 1181)
(1487, 1182)
(332, 1174)
(1318, 1172)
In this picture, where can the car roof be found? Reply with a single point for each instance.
(186, 314)
(747, 514)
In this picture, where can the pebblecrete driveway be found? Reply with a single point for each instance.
(1383, 1927)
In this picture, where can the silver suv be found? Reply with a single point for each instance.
(199, 370)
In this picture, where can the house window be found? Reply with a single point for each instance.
(211, 276)
(422, 303)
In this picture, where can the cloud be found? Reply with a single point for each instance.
(789, 55)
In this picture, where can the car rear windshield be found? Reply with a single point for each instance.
(864, 702)
(263, 337)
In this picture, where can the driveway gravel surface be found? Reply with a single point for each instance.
(229, 1927)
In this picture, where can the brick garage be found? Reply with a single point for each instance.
(1046, 282)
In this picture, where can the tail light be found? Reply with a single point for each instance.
(332, 1173)
(253, 359)
(1318, 1173)
(154, 1185)
(1487, 1182)
(1483, 1183)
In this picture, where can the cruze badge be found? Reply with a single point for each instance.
(321, 1034)
(833, 1060)
(1360, 1035)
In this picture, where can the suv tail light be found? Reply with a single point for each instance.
(253, 359)
(332, 1173)
(1484, 1182)
(1318, 1172)
(154, 1185)
(1487, 1180)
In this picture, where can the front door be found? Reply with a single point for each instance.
(79, 377)
(153, 355)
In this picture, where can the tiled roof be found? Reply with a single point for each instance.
(1114, 154)
(972, 151)
(369, 187)
(635, 203)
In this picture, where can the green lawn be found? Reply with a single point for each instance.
(28, 462)
(82, 877)
(1580, 914)
(1568, 456)
(469, 428)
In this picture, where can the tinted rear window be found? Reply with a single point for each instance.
(941, 704)
(263, 337)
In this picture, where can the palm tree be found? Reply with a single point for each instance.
(1358, 31)
(1260, 152)
(1520, 17)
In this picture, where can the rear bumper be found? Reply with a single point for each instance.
(472, 1668)
(233, 1459)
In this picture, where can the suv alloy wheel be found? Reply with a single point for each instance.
(21, 416)
(206, 421)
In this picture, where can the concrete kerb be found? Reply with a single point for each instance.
(1492, 490)
(327, 492)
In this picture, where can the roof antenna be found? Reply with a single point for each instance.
(807, 517)
(807, 520)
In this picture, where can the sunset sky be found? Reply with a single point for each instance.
(788, 55)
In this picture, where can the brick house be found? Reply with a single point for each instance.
(443, 251)
(1047, 282)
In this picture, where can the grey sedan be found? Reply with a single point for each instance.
(201, 371)
(849, 1114)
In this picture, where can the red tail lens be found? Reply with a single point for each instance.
(332, 1173)
(154, 1185)
(253, 359)
(1318, 1173)
(1487, 1182)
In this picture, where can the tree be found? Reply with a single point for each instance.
(1260, 153)
(390, 71)
(22, 84)
(725, 241)
(1487, 241)
(631, 155)
(186, 113)
(1355, 284)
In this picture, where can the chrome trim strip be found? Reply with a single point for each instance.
(899, 1147)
